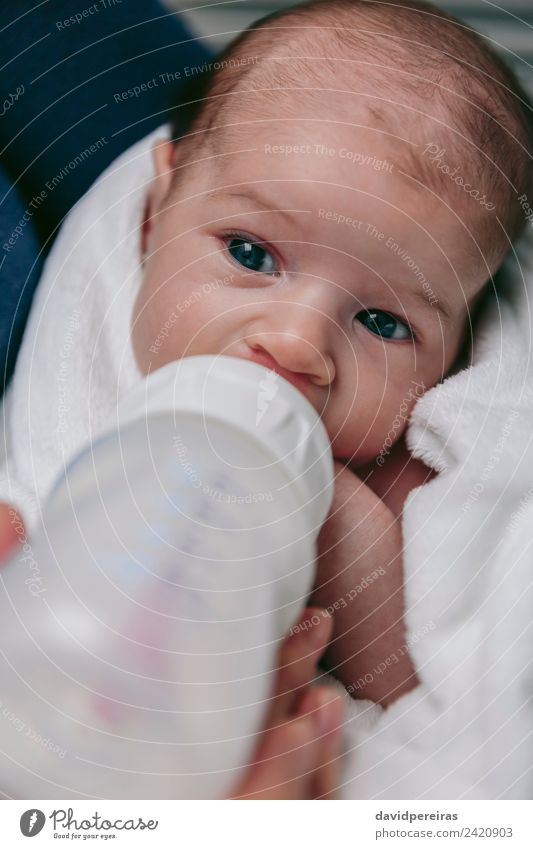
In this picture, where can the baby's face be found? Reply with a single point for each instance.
(306, 249)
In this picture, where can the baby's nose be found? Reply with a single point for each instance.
(296, 338)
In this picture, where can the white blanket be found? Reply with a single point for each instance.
(465, 731)
(76, 359)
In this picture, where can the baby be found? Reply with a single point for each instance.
(355, 183)
(355, 180)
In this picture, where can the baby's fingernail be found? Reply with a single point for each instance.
(303, 734)
(317, 628)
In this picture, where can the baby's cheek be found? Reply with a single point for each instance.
(162, 313)
(152, 324)
(394, 416)
(376, 419)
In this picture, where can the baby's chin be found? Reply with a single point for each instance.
(350, 462)
(353, 459)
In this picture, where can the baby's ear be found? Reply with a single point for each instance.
(162, 157)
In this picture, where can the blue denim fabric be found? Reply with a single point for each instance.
(81, 82)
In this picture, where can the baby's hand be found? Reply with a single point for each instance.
(360, 579)
(393, 479)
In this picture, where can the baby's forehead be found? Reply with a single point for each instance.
(424, 79)
(310, 52)
(311, 79)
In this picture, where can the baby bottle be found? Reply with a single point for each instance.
(139, 627)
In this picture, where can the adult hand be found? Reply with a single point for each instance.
(298, 754)
(11, 530)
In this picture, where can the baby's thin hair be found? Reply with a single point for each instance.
(466, 98)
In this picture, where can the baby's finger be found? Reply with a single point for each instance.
(297, 661)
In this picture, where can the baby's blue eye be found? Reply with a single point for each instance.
(251, 255)
(384, 324)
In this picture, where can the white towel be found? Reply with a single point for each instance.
(76, 359)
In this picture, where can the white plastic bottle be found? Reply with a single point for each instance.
(139, 632)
